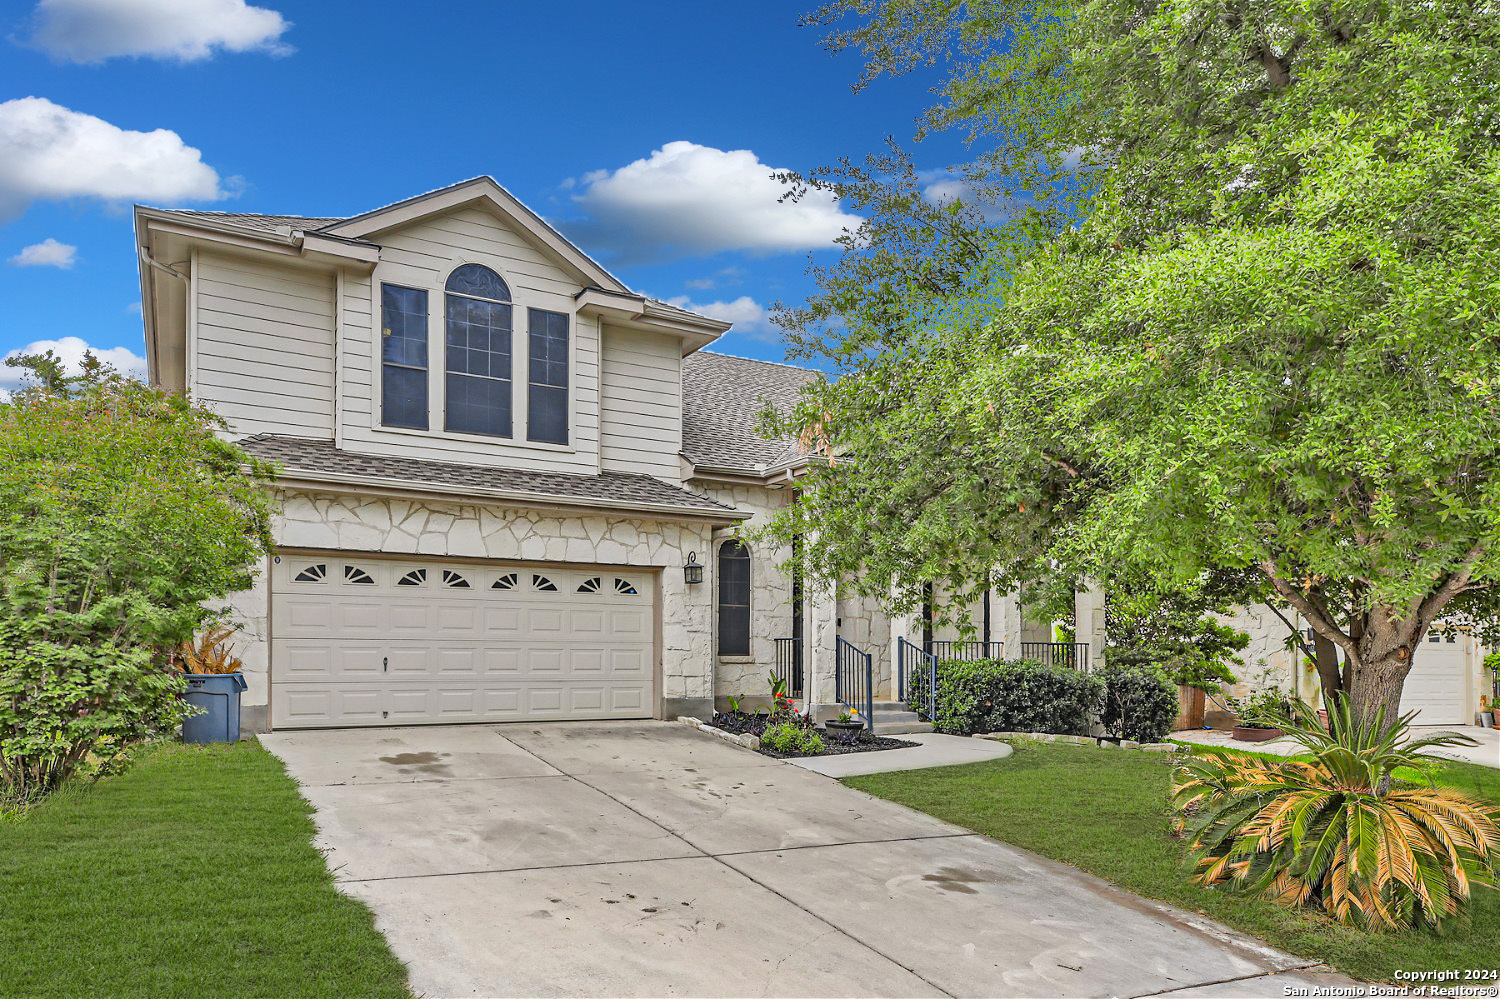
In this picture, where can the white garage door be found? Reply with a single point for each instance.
(361, 641)
(1436, 684)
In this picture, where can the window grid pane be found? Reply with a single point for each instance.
(734, 599)
(547, 377)
(478, 360)
(403, 354)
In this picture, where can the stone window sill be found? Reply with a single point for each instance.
(736, 659)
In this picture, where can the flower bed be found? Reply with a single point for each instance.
(754, 725)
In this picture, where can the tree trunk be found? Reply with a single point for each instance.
(1326, 657)
(1385, 651)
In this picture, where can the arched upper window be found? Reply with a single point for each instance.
(734, 599)
(478, 281)
(478, 352)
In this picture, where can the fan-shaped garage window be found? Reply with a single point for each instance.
(416, 577)
(625, 586)
(453, 579)
(734, 599)
(315, 573)
(590, 585)
(354, 574)
(505, 582)
(544, 584)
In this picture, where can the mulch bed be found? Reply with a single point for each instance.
(866, 744)
(743, 722)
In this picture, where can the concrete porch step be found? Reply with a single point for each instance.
(901, 728)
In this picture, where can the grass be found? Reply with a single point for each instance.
(1106, 812)
(193, 874)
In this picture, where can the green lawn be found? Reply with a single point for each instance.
(1106, 811)
(193, 874)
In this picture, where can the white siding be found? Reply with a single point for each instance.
(420, 256)
(640, 401)
(263, 353)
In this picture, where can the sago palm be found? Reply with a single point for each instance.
(1337, 830)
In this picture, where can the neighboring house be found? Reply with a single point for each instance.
(510, 485)
(502, 470)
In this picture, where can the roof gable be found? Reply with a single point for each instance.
(485, 190)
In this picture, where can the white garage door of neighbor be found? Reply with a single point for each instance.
(1435, 686)
(376, 642)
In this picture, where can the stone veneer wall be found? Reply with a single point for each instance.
(770, 590)
(864, 624)
(1268, 663)
(409, 527)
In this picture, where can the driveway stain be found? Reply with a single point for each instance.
(958, 879)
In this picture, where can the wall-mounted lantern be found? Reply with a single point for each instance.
(692, 572)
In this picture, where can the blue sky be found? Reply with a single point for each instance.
(644, 131)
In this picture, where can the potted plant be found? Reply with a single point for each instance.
(1257, 714)
(846, 727)
(214, 685)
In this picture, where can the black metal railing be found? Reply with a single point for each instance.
(854, 681)
(916, 678)
(965, 650)
(789, 664)
(1072, 655)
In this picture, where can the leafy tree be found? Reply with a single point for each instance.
(1239, 315)
(122, 514)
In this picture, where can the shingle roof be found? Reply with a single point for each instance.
(257, 221)
(722, 396)
(611, 489)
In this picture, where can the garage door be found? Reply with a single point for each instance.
(360, 641)
(1436, 685)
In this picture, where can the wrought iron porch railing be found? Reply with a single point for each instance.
(965, 650)
(854, 682)
(789, 664)
(1073, 655)
(916, 678)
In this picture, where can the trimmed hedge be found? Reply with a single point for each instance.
(1140, 703)
(1010, 695)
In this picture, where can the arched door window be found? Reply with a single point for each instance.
(734, 599)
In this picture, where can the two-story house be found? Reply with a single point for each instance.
(510, 485)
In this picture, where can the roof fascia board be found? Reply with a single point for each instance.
(378, 485)
(479, 189)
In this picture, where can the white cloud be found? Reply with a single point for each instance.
(686, 199)
(48, 253)
(48, 152)
(70, 350)
(725, 275)
(748, 315)
(91, 31)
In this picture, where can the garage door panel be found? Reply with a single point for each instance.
(1437, 688)
(354, 646)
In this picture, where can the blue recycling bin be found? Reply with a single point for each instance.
(219, 695)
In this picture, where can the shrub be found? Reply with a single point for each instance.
(1338, 831)
(791, 737)
(998, 695)
(63, 705)
(1140, 703)
(122, 514)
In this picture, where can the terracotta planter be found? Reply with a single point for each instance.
(1323, 718)
(1254, 733)
(1189, 708)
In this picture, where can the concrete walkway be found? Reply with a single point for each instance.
(648, 859)
(932, 750)
(1486, 753)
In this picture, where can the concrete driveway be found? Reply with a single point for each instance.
(648, 859)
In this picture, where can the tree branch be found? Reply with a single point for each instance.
(1455, 584)
(1316, 616)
